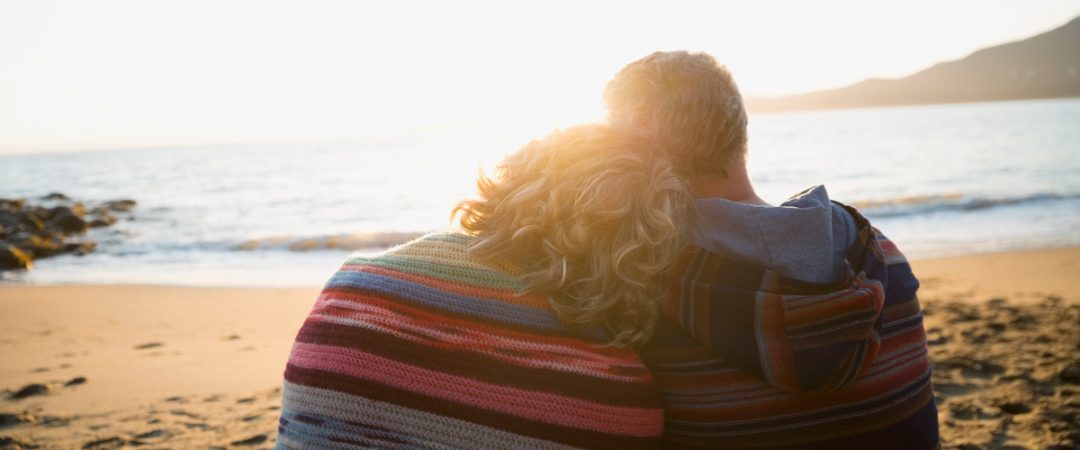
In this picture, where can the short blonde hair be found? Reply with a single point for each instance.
(595, 216)
(689, 103)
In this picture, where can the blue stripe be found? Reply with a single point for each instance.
(331, 433)
(432, 298)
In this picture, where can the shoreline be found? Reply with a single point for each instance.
(933, 263)
(189, 366)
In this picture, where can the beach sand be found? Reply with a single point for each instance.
(1004, 336)
(173, 367)
(164, 366)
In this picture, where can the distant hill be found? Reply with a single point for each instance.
(1043, 66)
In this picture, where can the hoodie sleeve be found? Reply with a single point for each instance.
(796, 336)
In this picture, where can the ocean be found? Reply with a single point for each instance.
(940, 180)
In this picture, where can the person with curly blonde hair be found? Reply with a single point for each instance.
(597, 219)
(794, 326)
(518, 331)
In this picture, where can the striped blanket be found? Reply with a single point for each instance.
(746, 358)
(424, 347)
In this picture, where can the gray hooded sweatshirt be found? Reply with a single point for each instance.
(805, 238)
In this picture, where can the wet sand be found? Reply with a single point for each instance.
(155, 367)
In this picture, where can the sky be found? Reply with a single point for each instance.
(110, 74)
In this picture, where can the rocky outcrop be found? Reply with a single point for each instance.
(54, 225)
(13, 258)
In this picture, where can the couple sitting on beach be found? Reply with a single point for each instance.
(622, 286)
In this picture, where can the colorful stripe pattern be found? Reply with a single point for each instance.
(424, 347)
(749, 359)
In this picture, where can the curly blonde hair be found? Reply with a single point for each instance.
(594, 218)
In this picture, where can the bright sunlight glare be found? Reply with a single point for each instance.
(132, 73)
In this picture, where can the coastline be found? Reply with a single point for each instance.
(201, 366)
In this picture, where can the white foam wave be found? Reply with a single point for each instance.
(358, 241)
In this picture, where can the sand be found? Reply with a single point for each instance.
(1021, 274)
(173, 367)
(167, 366)
(1004, 336)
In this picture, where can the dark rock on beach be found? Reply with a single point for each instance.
(73, 209)
(109, 442)
(1070, 374)
(7, 419)
(75, 381)
(29, 390)
(50, 228)
(1015, 407)
(153, 434)
(148, 345)
(13, 202)
(69, 223)
(102, 218)
(124, 205)
(80, 248)
(254, 440)
(98, 223)
(11, 257)
(37, 246)
(10, 443)
(15, 220)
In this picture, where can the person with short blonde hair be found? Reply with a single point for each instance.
(689, 102)
(794, 326)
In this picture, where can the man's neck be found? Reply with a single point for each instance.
(735, 187)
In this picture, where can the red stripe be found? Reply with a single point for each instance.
(777, 355)
(409, 399)
(614, 356)
(769, 401)
(531, 405)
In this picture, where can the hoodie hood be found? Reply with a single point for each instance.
(796, 335)
(805, 238)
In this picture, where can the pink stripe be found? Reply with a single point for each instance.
(539, 406)
(537, 359)
(539, 354)
(576, 346)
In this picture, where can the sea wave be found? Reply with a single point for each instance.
(949, 202)
(357, 241)
(882, 208)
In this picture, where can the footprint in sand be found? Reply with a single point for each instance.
(29, 390)
(149, 345)
(254, 440)
(75, 381)
(154, 434)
